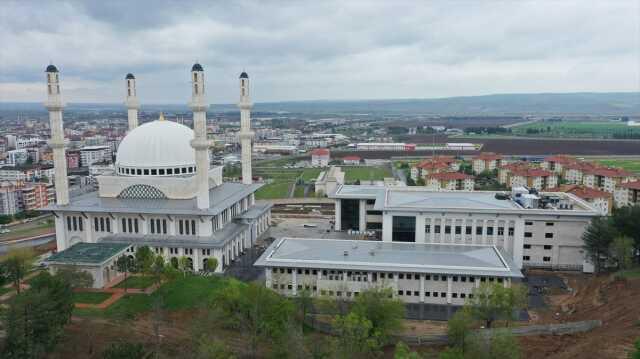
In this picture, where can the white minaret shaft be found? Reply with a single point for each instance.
(245, 128)
(200, 143)
(133, 105)
(55, 105)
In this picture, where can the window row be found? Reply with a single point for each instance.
(416, 293)
(529, 235)
(547, 247)
(129, 225)
(468, 230)
(74, 223)
(102, 224)
(156, 172)
(544, 259)
(158, 226)
(363, 276)
(187, 227)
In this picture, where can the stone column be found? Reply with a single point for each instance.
(338, 214)
(387, 227)
(518, 242)
(449, 286)
(420, 224)
(362, 225)
(422, 288)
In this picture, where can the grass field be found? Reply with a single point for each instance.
(276, 189)
(183, 293)
(90, 297)
(629, 165)
(353, 174)
(576, 129)
(310, 174)
(137, 281)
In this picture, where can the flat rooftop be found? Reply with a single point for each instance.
(220, 197)
(388, 257)
(421, 198)
(88, 253)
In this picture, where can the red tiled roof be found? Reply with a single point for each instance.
(320, 152)
(531, 172)
(581, 165)
(582, 191)
(449, 176)
(429, 164)
(631, 185)
(351, 158)
(610, 172)
(515, 166)
(488, 156)
(564, 159)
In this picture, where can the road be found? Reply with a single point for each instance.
(26, 242)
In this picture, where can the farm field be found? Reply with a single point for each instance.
(30, 229)
(577, 129)
(276, 189)
(629, 165)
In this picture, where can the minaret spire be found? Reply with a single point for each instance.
(55, 105)
(246, 135)
(200, 143)
(133, 105)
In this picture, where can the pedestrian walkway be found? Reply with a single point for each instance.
(116, 293)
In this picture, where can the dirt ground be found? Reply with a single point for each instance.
(616, 303)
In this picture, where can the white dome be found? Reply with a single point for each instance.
(154, 145)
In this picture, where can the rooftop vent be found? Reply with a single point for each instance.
(345, 253)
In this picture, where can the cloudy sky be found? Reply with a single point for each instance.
(306, 50)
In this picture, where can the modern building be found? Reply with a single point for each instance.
(607, 179)
(385, 146)
(37, 195)
(320, 157)
(557, 164)
(94, 154)
(329, 180)
(536, 229)
(600, 200)
(414, 272)
(449, 181)
(162, 193)
(532, 177)
(486, 161)
(351, 160)
(627, 194)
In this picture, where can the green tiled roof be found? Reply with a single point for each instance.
(92, 253)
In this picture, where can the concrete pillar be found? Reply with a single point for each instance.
(196, 259)
(449, 286)
(422, 288)
(294, 281)
(61, 238)
(387, 227)
(267, 275)
(362, 215)
(420, 223)
(338, 215)
(508, 246)
(432, 221)
(518, 242)
(473, 232)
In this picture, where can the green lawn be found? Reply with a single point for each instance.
(629, 273)
(353, 174)
(138, 281)
(629, 165)
(276, 189)
(90, 297)
(183, 293)
(30, 229)
(310, 174)
(299, 191)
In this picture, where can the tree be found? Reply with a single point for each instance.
(75, 277)
(384, 313)
(213, 349)
(403, 351)
(211, 264)
(125, 264)
(17, 263)
(492, 301)
(36, 318)
(459, 329)
(597, 239)
(5, 219)
(125, 350)
(184, 265)
(303, 302)
(451, 353)
(144, 258)
(420, 181)
(635, 354)
(625, 220)
(354, 338)
(495, 344)
(622, 251)
(255, 310)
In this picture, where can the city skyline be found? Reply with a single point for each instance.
(413, 50)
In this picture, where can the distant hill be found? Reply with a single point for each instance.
(608, 103)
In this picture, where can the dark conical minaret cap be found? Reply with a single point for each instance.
(130, 76)
(196, 67)
(51, 68)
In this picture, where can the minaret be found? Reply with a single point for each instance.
(54, 105)
(200, 143)
(245, 128)
(133, 105)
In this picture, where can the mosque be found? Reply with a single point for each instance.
(163, 193)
